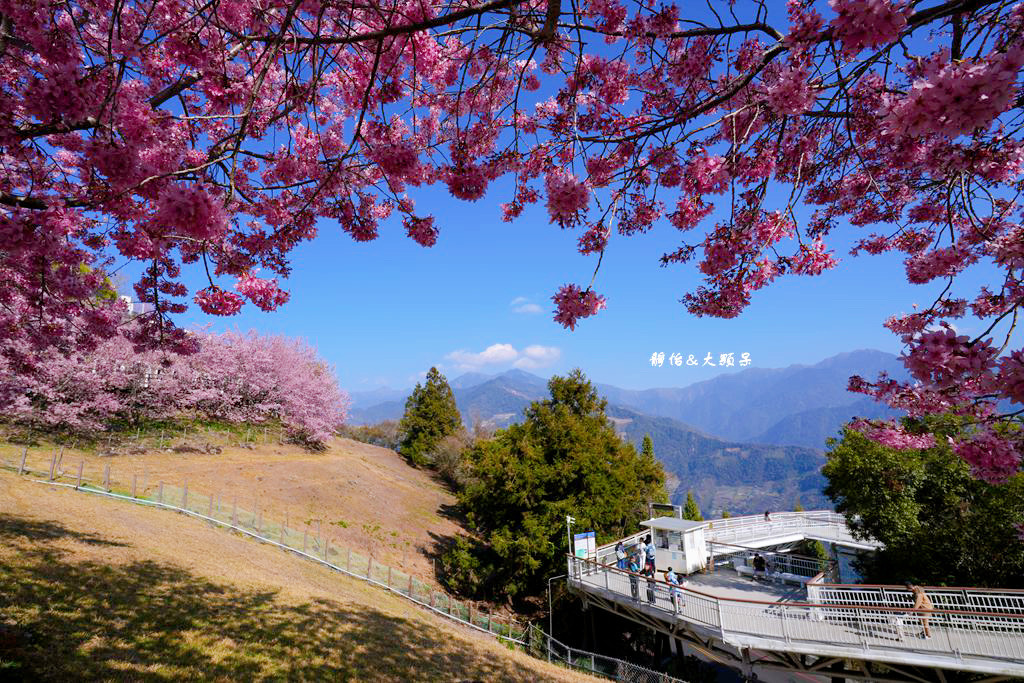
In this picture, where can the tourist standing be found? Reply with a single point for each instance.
(759, 565)
(924, 603)
(635, 563)
(649, 548)
(675, 589)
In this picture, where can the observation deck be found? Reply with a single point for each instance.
(798, 618)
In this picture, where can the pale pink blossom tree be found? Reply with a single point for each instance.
(217, 134)
(232, 377)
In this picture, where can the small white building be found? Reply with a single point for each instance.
(679, 543)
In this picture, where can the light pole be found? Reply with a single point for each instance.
(551, 627)
(569, 521)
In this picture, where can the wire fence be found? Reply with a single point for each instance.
(307, 540)
(542, 645)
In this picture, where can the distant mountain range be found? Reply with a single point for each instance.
(800, 405)
(745, 442)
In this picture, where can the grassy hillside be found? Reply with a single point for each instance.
(361, 497)
(97, 589)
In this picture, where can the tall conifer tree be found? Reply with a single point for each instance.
(690, 510)
(565, 458)
(430, 415)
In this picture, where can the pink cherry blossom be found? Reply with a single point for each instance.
(262, 292)
(894, 437)
(202, 143)
(567, 197)
(791, 94)
(422, 230)
(990, 456)
(217, 301)
(572, 303)
(957, 98)
(708, 173)
(867, 23)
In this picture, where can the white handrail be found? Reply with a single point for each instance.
(997, 636)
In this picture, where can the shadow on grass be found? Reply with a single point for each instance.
(18, 527)
(62, 619)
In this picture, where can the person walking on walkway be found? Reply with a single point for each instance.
(924, 603)
(635, 563)
(649, 549)
(675, 589)
(651, 585)
(620, 555)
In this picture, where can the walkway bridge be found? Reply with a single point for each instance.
(816, 626)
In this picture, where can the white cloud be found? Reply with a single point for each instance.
(537, 356)
(935, 327)
(523, 305)
(531, 357)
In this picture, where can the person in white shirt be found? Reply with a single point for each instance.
(649, 549)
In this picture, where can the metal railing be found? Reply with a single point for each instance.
(895, 629)
(541, 645)
(737, 529)
(776, 563)
(1001, 601)
(606, 553)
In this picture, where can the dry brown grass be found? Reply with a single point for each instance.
(362, 497)
(97, 589)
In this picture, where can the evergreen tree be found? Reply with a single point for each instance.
(798, 506)
(726, 514)
(690, 510)
(564, 459)
(430, 415)
(647, 447)
(939, 524)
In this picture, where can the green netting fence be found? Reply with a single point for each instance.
(253, 521)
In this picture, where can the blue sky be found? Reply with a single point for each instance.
(383, 312)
